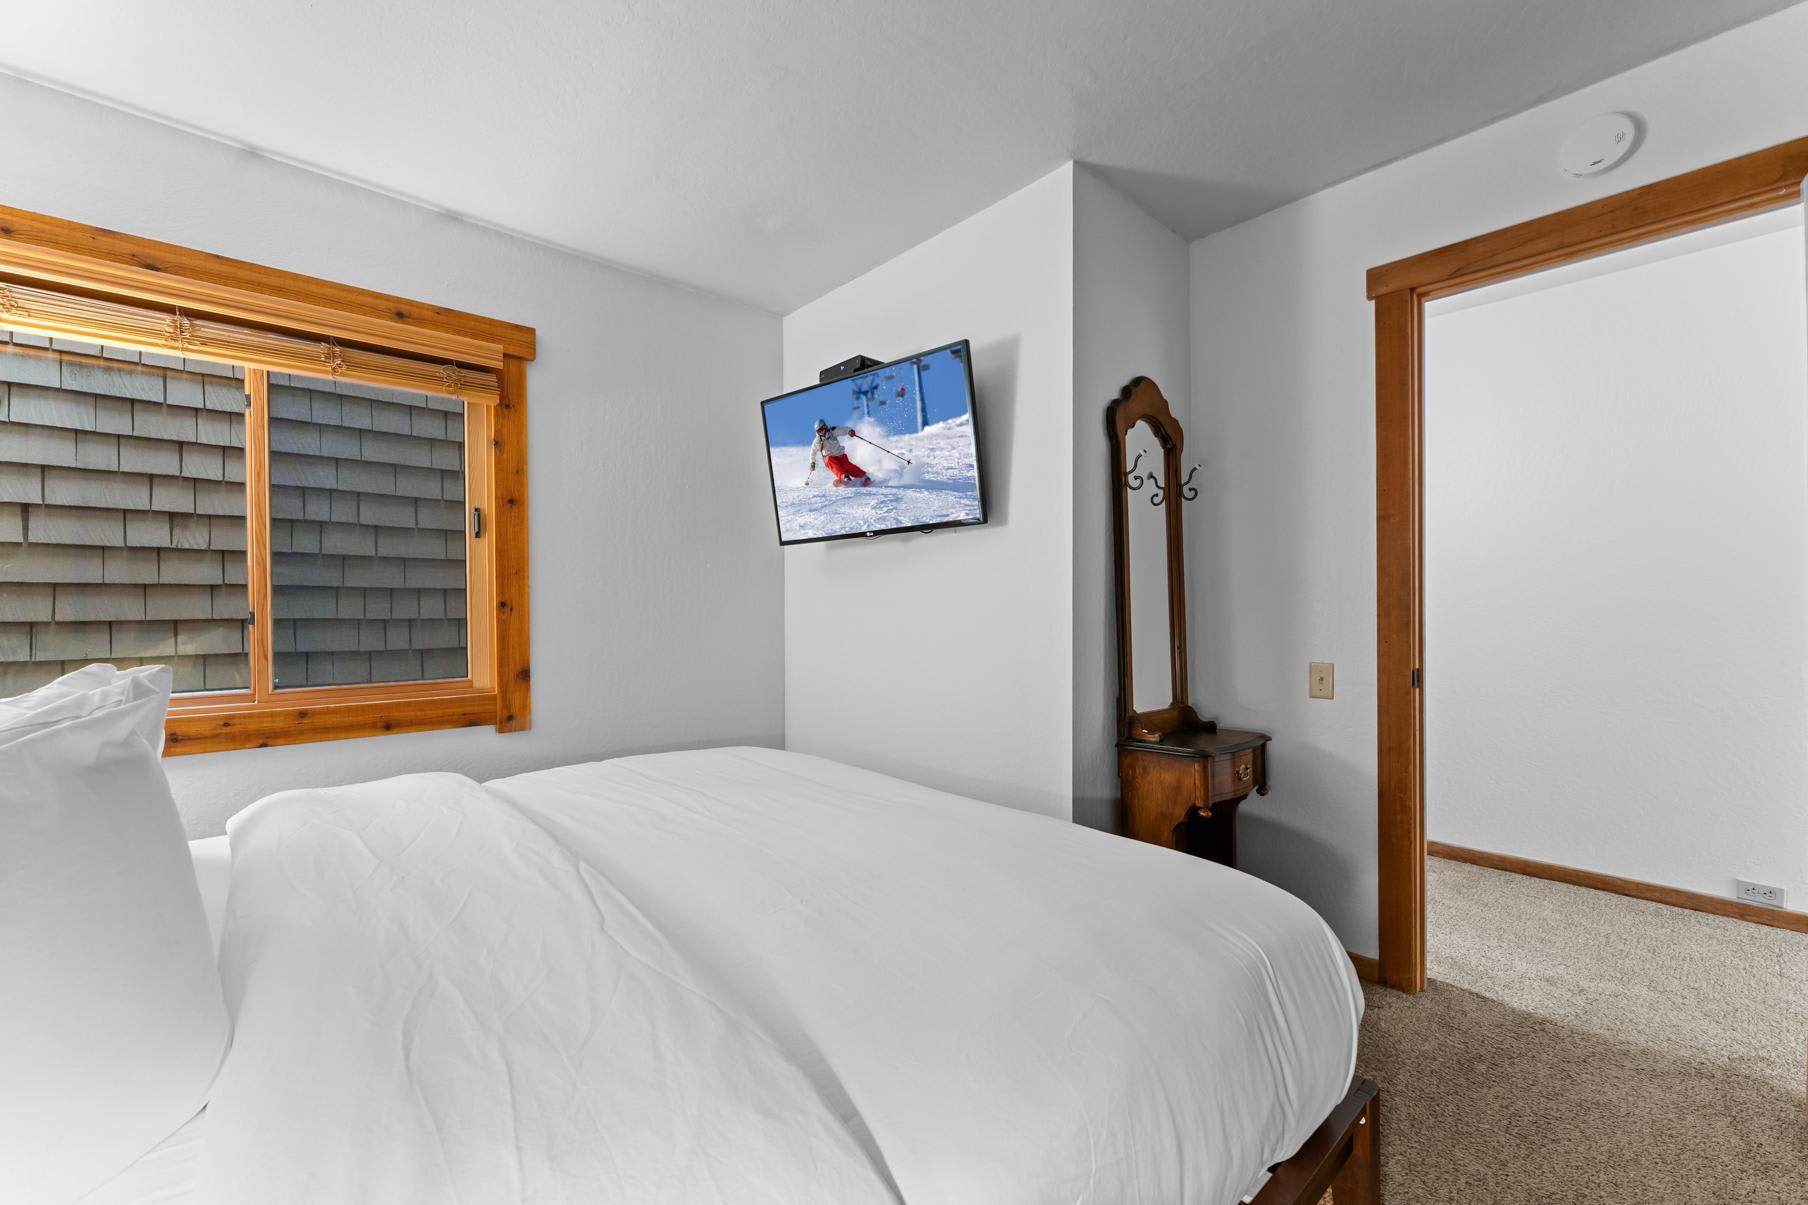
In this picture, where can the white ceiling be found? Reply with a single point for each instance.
(769, 150)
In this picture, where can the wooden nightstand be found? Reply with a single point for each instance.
(1182, 789)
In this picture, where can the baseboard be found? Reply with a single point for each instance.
(1367, 969)
(1676, 897)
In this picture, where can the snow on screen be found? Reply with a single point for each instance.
(916, 410)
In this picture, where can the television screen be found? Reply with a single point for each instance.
(892, 448)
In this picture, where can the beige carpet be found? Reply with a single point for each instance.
(1575, 1046)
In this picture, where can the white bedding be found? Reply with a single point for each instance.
(212, 857)
(435, 1001)
(112, 1018)
(743, 975)
(166, 1175)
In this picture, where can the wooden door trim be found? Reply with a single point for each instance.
(1736, 188)
(1740, 187)
(1399, 639)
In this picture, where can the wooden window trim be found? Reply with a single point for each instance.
(199, 729)
(138, 328)
(41, 252)
(1748, 185)
(89, 258)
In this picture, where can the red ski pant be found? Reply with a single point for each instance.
(843, 468)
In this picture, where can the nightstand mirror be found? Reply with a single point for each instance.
(1150, 627)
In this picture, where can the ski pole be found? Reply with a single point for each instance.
(869, 443)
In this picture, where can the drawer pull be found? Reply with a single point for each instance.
(1244, 771)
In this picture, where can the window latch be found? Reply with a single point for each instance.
(476, 522)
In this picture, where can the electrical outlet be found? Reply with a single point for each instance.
(1761, 893)
(1321, 680)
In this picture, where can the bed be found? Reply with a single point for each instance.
(740, 975)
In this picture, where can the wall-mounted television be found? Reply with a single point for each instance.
(891, 448)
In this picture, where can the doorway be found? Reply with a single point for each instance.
(1753, 184)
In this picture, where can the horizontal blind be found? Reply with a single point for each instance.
(47, 312)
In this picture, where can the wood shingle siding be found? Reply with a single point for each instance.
(122, 522)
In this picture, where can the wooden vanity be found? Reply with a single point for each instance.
(1180, 778)
(1182, 791)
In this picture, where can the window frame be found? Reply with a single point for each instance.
(51, 253)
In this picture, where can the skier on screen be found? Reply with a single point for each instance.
(828, 445)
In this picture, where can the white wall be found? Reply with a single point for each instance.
(958, 641)
(656, 586)
(1067, 290)
(1130, 319)
(1283, 397)
(1616, 569)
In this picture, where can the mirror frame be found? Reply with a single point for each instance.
(1142, 401)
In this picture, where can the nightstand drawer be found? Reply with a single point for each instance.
(1235, 774)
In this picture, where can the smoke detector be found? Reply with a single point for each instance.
(1598, 145)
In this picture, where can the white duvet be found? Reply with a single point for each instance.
(740, 975)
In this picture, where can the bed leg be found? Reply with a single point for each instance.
(1359, 1183)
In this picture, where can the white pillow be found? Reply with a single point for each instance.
(112, 1022)
(87, 689)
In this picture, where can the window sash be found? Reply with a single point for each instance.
(219, 708)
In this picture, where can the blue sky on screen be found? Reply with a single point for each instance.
(792, 421)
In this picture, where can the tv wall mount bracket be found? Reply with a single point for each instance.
(850, 367)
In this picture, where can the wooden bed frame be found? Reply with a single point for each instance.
(1343, 1155)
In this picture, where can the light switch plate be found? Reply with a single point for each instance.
(1321, 680)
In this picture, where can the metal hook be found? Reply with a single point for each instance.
(1135, 481)
(1132, 478)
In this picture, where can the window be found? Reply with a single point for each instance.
(308, 500)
